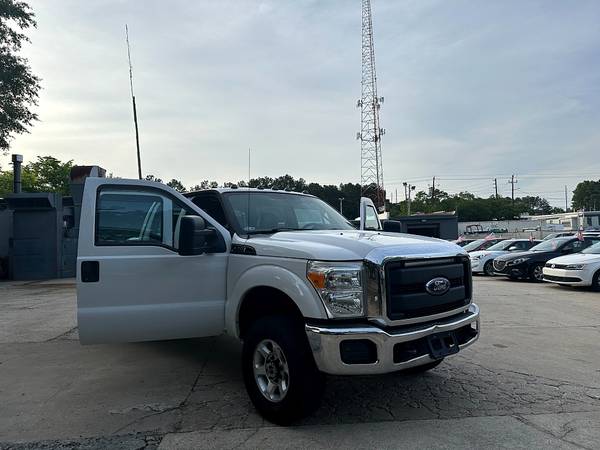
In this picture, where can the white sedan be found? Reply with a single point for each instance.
(481, 261)
(578, 269)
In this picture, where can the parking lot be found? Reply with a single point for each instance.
(532, 381)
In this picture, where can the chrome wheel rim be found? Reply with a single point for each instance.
(271, 371)
(538, 273)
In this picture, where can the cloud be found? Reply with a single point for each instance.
(470, 88)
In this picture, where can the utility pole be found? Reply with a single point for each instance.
(371, 175)
(407, 193)
(341, 199)
(566, 200)
(512, 183)
(496, 186)
(135, 122)
(433, 191)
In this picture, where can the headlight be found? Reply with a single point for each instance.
(575, 266)
(518, 261)
(339, 285)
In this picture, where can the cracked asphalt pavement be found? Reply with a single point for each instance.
(532, 381)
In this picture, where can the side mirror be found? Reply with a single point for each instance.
(194, 237)
(393, 226)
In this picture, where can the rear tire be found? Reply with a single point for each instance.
(424, 368)
(596, 282)
(537, 273)
(488, 269)
(280, 373)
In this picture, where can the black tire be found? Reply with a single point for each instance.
(488, 268)
(536, 273)
(305, 383)
(596, 282)
(424, 368)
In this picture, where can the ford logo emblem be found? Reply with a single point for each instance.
(438, 286)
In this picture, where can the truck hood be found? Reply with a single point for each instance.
(348, 245)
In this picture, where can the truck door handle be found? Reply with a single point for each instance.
(90, 271)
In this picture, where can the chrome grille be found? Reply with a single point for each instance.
(406, 296)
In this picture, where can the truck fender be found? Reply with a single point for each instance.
(276, 277)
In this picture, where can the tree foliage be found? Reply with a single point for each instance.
(587, 195)
(18, 85)
(46, 174)
(177, 185)
(469, 207)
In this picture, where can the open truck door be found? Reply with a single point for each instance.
(369, 220)
(141, 274)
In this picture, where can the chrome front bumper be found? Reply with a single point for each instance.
(325, 343)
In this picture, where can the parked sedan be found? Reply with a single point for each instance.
(580, 269)
(482, 244)
(531, 264)
(482, 260)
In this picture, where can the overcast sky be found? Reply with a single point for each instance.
(473, 90)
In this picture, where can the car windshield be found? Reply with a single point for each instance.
(551, 244)
(474, 245)
(502, 245)
(594, 249)
(270, 212)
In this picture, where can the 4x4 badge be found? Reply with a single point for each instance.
(438, 286)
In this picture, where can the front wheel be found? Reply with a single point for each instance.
(488, 269)
(537, 273)
(596, 282)
(280, 374)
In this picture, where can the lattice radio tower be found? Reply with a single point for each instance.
(371, 175)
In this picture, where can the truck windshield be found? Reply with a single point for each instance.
(270, 212)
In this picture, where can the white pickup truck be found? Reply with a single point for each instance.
(305, 291)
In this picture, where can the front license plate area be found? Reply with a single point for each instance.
(442, 344)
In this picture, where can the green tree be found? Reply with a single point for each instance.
(534, 205)
(177, 185)
(18, 85)
(51, 175)
(153, 178)
(587, 195)
(47, 174)
(28, 181)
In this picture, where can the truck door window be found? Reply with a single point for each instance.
(371, 222)
(138, 218)
(127, 218)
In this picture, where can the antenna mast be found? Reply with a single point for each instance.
(371, 175)
(135, 122)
